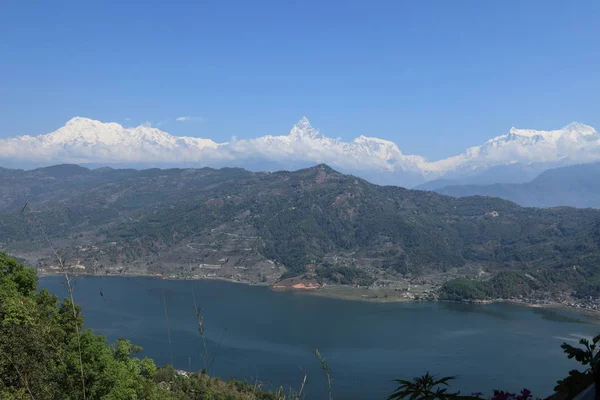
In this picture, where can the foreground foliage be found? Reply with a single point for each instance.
(589, 357)
(423, 387)
(429, 387)
(39, 354)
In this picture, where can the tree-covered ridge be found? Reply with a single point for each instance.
(317, 221)
(40, 355)
(512, 284)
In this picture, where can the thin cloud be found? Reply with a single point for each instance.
(152, 124)
(189, 119)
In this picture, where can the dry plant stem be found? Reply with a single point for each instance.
(256, 384)
(167, 323)
(300, 393)
(69, 286)
(280, 393)
(326, 370)
(218, 347)
(200, 329)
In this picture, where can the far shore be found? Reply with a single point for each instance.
(342, 292)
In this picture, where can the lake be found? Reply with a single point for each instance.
(270, 336)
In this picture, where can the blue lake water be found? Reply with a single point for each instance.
(271, 336)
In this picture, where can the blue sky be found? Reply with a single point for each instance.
(433, 76)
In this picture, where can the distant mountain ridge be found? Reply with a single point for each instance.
(86, 141)
(511, 173)
(575, 186)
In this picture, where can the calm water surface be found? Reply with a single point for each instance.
(271, 336)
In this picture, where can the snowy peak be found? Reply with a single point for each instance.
(83, 125)
(82, 121)
(87, 132)
(80, 130)
(303, 124)
(84, 140)
(381, 147)
(573, 143)
(303, 129)
(574, 128)
(579, 128)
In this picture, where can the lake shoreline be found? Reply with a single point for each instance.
(553, 305)
(275, 333)
(325, 291)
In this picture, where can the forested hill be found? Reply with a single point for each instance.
(258, 226)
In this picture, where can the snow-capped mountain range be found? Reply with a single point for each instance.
(86, 141)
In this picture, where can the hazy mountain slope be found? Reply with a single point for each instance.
(86, 141)
(513, 173)
(234, 223)
(576, 186)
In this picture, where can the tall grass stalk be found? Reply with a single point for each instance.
(70, 289)
(200, 321)
(167, 324)
(326, 370)
(214, 357)
(300, 393)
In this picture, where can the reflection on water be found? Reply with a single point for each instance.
(564, 315)
(573, 338)
(462, 333)
(484, 309)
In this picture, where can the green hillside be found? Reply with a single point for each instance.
(260, 226)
